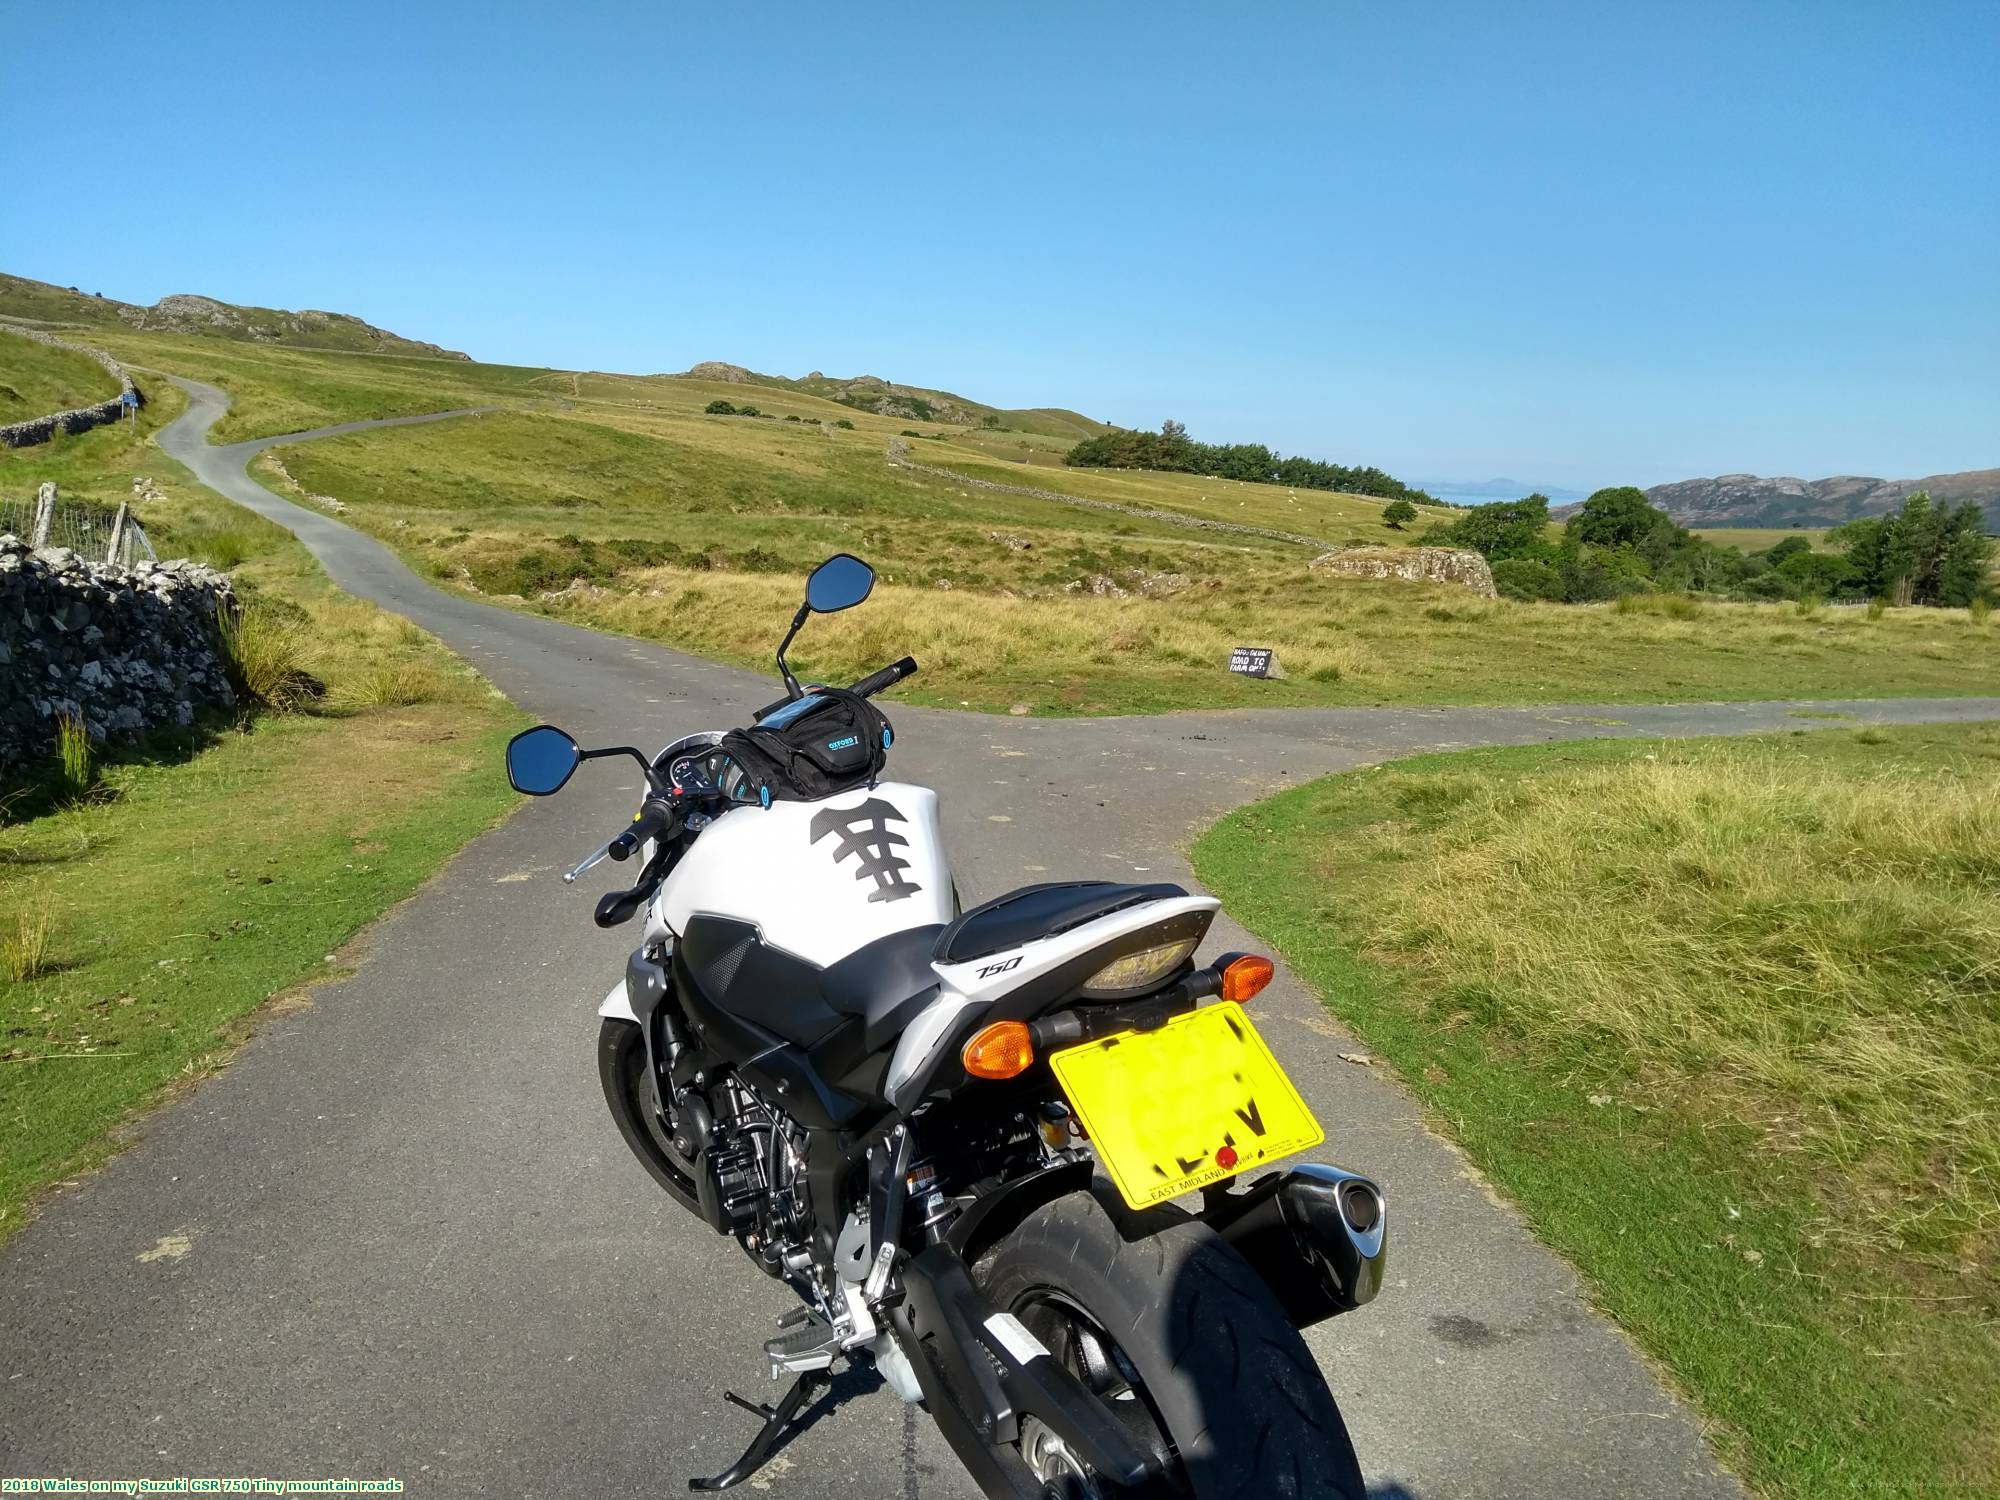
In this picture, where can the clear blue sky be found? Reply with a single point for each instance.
(1578, 245)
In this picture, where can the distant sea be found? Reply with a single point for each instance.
(1456, 496)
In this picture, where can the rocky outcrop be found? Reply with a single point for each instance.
(124, 650)
(39, 302)
(715, 369)
(78, 419)
(1454, 565)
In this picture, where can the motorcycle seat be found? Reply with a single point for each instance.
(884, 983)
(1039, 911)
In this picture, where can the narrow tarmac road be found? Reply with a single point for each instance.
(398, 1237)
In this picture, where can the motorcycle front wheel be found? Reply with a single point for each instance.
(1186, 1344)
(634, 1102)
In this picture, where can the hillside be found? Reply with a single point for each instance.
(36, 380)
(1746, 500)
(911, 403)
(40, 303)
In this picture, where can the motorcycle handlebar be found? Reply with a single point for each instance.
(867, 687)
(888, 677)
(655, 818)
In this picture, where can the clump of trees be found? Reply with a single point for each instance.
(1618, 544)
(1173, 451)
(1919, 553)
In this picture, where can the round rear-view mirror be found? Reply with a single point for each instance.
(841, 582)
(540, 760)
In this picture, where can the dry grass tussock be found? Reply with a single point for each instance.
(1336, 639)
(336, 652)
(24, 953)
(1816, 944)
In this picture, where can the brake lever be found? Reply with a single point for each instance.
(589, 864)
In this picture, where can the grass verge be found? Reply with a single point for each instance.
(36, 379)
(1723, 1018)
(148, 907)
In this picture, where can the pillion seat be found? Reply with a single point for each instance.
(1037, 911)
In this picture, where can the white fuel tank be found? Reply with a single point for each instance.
(820, 879)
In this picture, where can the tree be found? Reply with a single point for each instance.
(1615, 517)
(1398, 513)
(1786, 548)
(1173, 431)
(719, 409)
(1919, 553)
(1507, 528)
(1525, 578)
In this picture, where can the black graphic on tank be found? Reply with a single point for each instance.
(864, 831)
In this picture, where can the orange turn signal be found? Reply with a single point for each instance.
(1002, 1050)
(1245, 977)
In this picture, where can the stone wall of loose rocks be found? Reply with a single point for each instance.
(1418, 564)
(79, 419)
(123, 650)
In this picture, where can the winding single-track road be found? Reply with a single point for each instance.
(399, 1236)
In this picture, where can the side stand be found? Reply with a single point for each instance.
(776, 1420)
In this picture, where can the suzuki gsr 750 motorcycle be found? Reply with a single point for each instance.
(959, 1136)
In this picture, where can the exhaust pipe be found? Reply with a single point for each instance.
(1317, 1234)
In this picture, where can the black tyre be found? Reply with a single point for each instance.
(1187, 1344)
(634, 1102)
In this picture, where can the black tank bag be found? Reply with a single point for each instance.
(829, 741)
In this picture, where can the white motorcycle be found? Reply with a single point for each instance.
(964, 1138)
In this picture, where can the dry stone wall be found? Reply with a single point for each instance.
(78, 419)
(124, 650)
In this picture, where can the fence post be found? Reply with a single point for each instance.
(45, 514)
(117, 533)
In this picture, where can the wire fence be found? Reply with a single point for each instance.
(93, 532)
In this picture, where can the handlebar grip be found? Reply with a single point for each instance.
(655, 818)
(888, 677)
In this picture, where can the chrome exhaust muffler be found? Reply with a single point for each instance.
(1316, 1233)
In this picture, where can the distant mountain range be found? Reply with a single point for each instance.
(1748, 500)
(46, 305)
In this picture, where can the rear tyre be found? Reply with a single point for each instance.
(1186, 1344)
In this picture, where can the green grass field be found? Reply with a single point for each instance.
(208, 870)
(1760, 539)
(36, 380)
(618, 496)
(1722, 1018)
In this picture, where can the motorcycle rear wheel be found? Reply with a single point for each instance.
(1186, 1344)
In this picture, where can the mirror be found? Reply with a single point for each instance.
(540, 760)
(841, 582)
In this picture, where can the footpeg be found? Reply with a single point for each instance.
(810, 1346)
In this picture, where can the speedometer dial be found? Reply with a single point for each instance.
(690, 777)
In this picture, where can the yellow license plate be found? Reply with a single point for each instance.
(1176, 1109)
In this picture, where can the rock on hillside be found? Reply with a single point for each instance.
(1455, 565)
(715, 369)
(1751, 500)
(39, 302)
